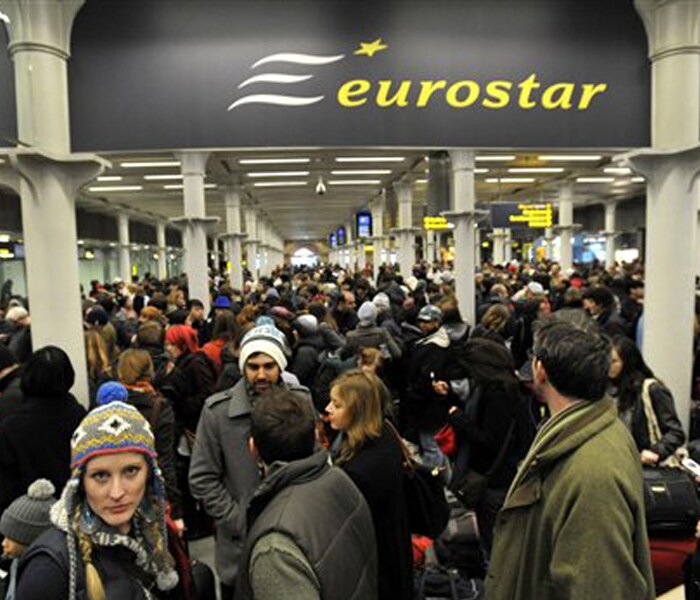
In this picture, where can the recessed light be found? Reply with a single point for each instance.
(370, 159)
(362, 172)
(496, 158)
(618, 170)
(479, 171)
(279, 174)
(517, 179)
(161, 177)
(637, 179)
(280, 183)
(355, 182)
(110, 178)
(570, 157)
(536, 170)
(421, 181)
(179, 186)
(274, 161)
(595, 179)
(491, 180)
(149, 164)
(116, 188)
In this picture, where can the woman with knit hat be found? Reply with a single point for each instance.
(108, 538)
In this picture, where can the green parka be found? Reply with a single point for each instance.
(572, 526)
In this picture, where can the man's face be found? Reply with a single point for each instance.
(591, 306)
(637, 294)
(261, 372)
(428, 326)
(197, 313)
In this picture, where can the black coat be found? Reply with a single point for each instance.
(378, 473)
(305, 363)
(35, 443)
(11, 396)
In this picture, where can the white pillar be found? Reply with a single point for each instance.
(39, 34)
(406, 253)
(566, 226)
(377, 208)
(499, 238)
(194, 225)
(124, 247)
(610, 208)
(548, 246)
(507, 247)
(463, 216)
(670, 168)
(162, 251)
(264, 248)
(431, 246)
(251, 228)
(349, 247)
(477, 246)
(235, 235)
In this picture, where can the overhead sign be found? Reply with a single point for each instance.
(364, 225)
(332, 240)
(435, 223)
(212, 74)
(516, 215)
(340, 236)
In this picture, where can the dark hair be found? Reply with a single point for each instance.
(283, 426)
(149, 333)
(194, 303)
(575, 357)
(47, 374)
(225, 326)
(602, 296)
(634, 371)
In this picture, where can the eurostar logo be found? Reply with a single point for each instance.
(526, 94)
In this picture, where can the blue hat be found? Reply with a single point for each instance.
(222, 302)
(111, 391)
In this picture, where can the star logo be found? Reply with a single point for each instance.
(371, 48)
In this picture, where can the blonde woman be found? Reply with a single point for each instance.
(99, 365)
(369, 452)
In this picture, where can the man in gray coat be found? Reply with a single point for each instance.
(223, 474)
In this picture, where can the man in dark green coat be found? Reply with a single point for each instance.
(572, 525)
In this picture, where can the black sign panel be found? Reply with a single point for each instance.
(332, 240)
(518, 215)
(149, 74)
(340, 236)
(364, 225)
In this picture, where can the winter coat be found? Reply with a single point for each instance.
(11, 396)
(159, 414)
(370, 336)
(20, 343)
(573, 523)
(672, 434)
(35, 443)
(213, 350)
(318, 508)
(223, 473)
(43, 572)
(331, 338)
(611, 323)
(377, 470)
(305, 363)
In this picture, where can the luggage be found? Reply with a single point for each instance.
(668, 554)
(671, 500)
(438, 583)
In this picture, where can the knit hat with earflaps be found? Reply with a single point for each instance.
(116, 428)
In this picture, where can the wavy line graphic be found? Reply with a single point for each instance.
(299, 59)
(276, 99)
(275, 78)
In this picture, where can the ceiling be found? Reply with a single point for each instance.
(298, 213)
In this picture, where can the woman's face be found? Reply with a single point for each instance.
(616, 365)
(114, 487)
(173, 351)
(338, 415)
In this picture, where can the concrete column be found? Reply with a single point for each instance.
(124, 247)
(264, 247)
(507, 248)
(463, 216)
(251, 228)
(235, 235)
(566, 226)
(670, 168)
(477, 246)
(499, 239)
(162, 251)
(377, 208)
(548, 239)
(195, 224)
(405, 232)
(430, 246)
(697, 254)
(46, 176)
(609, 233)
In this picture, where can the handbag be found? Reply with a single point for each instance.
(472, 487)
(676, 459)
(424, 494)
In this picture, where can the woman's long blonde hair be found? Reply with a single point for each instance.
(97, 354)
(359, 392)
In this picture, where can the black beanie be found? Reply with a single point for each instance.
(7, 359)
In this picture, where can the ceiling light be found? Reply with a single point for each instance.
(491, 180)
(116, 188)
(161, 177)
(570, 157)
(81, 242)
(536, 170)
(355, 159)
(496, 158)
(274, 161)
(517, 179)
(279, 174)
(149, 164)
(637, 180)
(279, 183)
(595, 179)
(179, 186)
(618, 170)
(362, 172)
(110, 178)
(4, 238)
(355, 182)
(480, 170)
(421, 181)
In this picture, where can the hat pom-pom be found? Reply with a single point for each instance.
(41, 489)
(167, 581)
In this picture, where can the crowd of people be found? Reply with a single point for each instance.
(277, 423)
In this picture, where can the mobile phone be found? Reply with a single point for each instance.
(691, 466)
